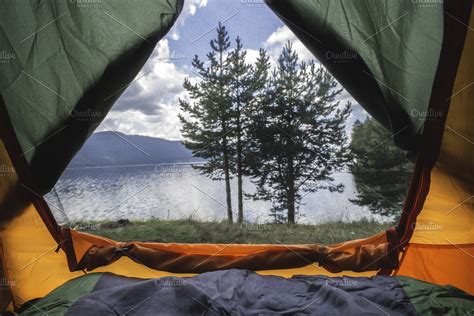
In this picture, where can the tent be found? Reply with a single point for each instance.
(411, 68)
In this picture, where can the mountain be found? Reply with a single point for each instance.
(118, 149)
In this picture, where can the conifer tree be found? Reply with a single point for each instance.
(381, 170)
(206, 121)
(245, 82)
(297, 136)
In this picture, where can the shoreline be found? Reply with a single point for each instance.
(192, 231)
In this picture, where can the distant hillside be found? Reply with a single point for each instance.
(117, 149)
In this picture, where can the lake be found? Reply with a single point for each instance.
(177, 191)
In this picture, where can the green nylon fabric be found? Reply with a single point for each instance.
(58, 301)
(431, 299)
(64, 63)
(385, 53)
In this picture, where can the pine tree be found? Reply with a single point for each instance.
(297, 136)
(206, 122)
(239, 77)
(381, 170)
(245, 82)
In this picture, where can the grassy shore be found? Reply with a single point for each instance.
(191, 231)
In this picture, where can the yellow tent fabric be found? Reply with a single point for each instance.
(441, 249)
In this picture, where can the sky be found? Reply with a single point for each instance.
(150, 107)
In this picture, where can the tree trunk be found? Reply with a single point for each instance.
(240, 198)
(225, 152)
(291, 206)
(291, 194)
(227, 178)
(239, 178)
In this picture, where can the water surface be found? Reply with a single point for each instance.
(177, 191)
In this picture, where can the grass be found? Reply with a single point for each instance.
(192, 231)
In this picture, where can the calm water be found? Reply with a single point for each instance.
(177, 192)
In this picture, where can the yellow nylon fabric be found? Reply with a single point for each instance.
(30, 260)
(447, 216)
(440, 264)
(33, 265)
(441, 250)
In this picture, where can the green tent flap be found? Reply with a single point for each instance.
(65, 64)
(432, 299)
(61, 299)
(385, 53)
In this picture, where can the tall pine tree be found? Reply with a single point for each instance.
(245, 82)
(298, 135)
(381, 170)
(206, 122)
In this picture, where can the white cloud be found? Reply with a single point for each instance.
(275, 42)
(280, 36)
(189, 9)
(252, 55)
(133, 122)
(150, 104)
